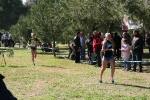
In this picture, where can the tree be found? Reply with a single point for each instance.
(139, 9)
(10, 12)
(59, 20)
(48, 20)
(20, 30)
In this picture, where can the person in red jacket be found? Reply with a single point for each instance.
(97, 45)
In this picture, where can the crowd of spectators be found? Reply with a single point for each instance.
(125, 47)
(6, 40)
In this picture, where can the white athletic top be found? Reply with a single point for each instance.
(125, 52)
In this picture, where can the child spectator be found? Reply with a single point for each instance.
(125, 54)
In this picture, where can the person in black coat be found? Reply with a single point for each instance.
(148, 41)
(77, 47)
(117, 40)
(137, 44)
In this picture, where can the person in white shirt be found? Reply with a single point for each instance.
(5, 39)
(125, 53)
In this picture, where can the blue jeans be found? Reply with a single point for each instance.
(82, 54)
(127, 64)
(137, 56)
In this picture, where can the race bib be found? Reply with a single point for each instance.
(32, 45)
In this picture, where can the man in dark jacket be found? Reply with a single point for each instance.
(136, 50)
(117, 40)
(148, 41)
(77, 47)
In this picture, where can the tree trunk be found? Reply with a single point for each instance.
(54, 47)
(110, 27)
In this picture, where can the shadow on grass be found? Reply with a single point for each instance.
(45, 53)
(143, 87)
(2, 65)
(61, 57)
(143, 64)
(50, 53)
(121, 65)
(66, 48)
(145, 69)
(61, 53)
(17, 66)
(53, 66)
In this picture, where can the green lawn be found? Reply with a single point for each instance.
(62, 79)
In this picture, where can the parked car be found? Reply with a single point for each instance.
(47, 47)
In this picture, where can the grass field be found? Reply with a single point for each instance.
(62, 79)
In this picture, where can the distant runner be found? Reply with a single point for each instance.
(33, 42)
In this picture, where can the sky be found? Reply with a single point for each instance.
(23, 1)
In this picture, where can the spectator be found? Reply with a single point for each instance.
(88, 43)
(137, 50)
(77, 47)
(5, 38)
(125, 54)
(143, 42)
(9, 38)
(49, 45)
(117, 40)
(97, 41)
(148, 41)
(71, 51)
(127, 37)
(82, 40)
(102, 35)
(107, 48)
